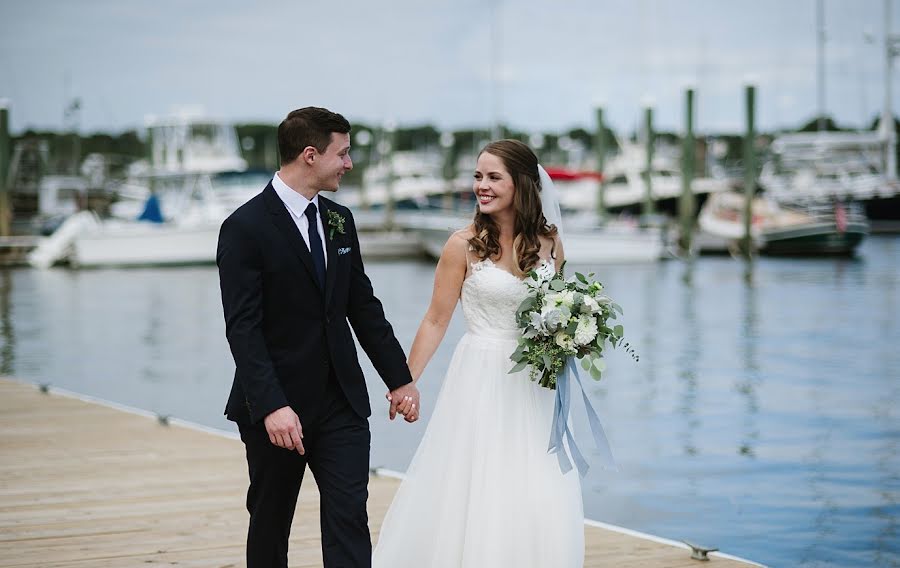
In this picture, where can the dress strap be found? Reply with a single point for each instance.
(468, 261)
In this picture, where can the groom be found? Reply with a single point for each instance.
(292, 277)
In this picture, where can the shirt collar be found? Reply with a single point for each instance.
(295, 202)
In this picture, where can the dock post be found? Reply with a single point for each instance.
(390, 132)
(686, 204)
(749, 168)
(448, 168)
(647, 209)
(5, 153)
(600, 150)
(364, 140)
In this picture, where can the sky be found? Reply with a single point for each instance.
(534, 65)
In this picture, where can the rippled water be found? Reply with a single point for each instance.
(762, 417)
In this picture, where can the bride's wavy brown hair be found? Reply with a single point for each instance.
(530, 223)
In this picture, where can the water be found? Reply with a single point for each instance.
(762, 417)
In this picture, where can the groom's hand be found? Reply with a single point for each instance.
(283, 426)
(404, 400)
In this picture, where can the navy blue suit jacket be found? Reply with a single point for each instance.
(287, 335)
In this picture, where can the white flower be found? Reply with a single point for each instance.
(565, 298)
(591, 304)
(565, 341)
(551, 300)
(537, 322)
(586, 330)
(553, 317)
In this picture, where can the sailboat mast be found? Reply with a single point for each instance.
(887, 115)
(496, 88)
(820, 64)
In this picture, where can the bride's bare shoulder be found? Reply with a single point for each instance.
(465, 233)
(462, 237)
(458, 245)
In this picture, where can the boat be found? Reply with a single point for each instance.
(591, 241)
(821, 167)
(587, 242)
(170, 207)
(777, 229)
(404, 179)
(624, 184)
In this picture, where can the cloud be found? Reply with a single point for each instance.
(534, 65)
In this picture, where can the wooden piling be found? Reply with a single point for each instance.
(749, 168)
(686, 205)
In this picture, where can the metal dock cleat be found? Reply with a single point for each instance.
(699, 552)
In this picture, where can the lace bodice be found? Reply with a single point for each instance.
(490, 297)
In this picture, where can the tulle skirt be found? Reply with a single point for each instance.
(481, 490)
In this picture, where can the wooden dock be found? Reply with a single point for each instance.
(83, 484)
(14, 250)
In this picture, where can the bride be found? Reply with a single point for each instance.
(481, 489)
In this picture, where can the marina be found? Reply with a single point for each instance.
(727, 171)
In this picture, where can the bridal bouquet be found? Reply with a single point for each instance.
(563, 318)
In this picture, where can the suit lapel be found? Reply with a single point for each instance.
(330, 250)
(282, 219)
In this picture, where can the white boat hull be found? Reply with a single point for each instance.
(614, 246)
(141, 244)
(609, 244)
(145, 244)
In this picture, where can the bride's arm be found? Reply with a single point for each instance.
(559, 255)
(448, 280)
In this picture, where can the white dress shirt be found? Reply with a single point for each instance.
(296, 205)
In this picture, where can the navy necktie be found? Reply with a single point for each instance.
(315, 244)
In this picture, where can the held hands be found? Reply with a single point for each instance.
(283, 426)
(405, 401)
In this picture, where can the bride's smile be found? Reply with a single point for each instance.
(493, 186)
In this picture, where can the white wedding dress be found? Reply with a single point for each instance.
(481, 490)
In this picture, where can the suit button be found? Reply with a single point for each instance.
(327, 319)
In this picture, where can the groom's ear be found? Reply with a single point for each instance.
(309, 154)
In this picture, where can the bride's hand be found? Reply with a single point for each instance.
(404, 400)
(405, 407)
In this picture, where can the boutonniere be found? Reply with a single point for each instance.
(335, 223)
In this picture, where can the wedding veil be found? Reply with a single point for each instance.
(550, 201)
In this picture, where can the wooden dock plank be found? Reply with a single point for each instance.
(82, 484)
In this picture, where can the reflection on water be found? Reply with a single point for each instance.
(687, 373)
(747, 383)
(7, 350)
(761, 418)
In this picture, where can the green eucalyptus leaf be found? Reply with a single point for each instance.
(518, 367)
(526, 305)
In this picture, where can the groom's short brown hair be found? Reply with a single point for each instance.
(308, 126)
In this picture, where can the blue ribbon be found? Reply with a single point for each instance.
(560, 429)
